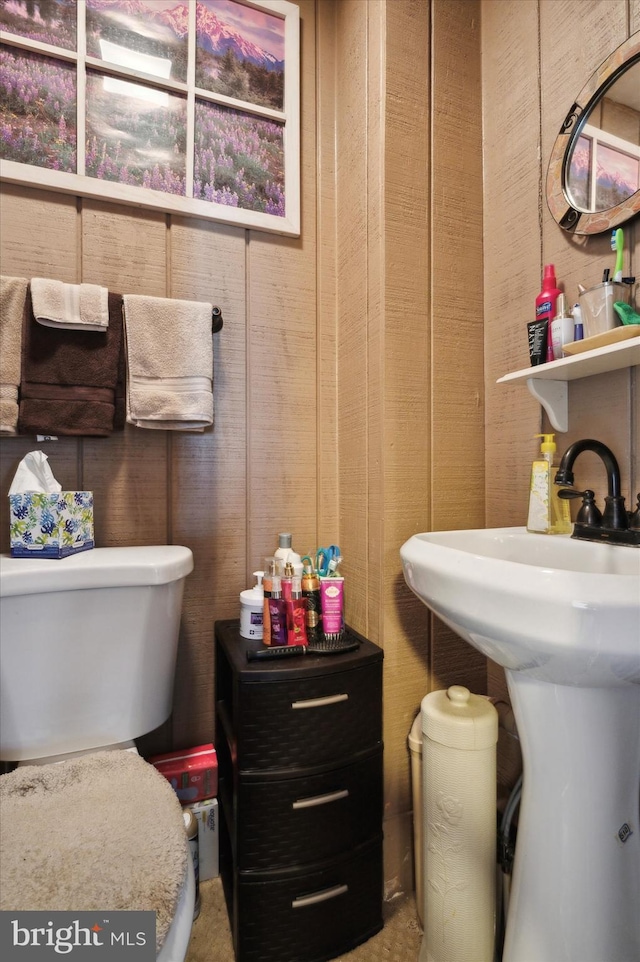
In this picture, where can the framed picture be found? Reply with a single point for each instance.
(189, 108)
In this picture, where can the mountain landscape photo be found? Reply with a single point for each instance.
(230, 58)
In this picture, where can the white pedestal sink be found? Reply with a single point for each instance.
(563, 618)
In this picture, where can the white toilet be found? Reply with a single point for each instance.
(87, 657)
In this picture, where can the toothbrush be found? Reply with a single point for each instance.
(617, 245)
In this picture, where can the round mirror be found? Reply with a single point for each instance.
(593, 181)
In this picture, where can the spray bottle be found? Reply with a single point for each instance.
(546, 304)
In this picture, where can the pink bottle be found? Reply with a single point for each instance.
(546, 303)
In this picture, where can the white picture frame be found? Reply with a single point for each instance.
(120, 127)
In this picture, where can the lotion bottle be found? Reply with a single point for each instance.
(284, 552)
(548, 514)
(562, 328)
(252, 609)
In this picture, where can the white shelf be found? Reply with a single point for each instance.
(548, 382)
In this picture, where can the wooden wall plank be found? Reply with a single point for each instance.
(327, 328)
(125, 250)
(352, 308)
(511, 245)
(39, 234)
(39, 237)
(457, 327)
(458, 468)
(208, 471)
(403, 494)
(281, 357)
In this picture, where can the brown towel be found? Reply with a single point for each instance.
(70, 378)
(13, 299)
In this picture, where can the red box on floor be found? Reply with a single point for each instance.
(193, 773)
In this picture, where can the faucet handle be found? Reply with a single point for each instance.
(589, 513)
(634, 517)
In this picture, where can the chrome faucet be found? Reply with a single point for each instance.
(614, 525)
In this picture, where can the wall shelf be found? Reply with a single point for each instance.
(548, 382)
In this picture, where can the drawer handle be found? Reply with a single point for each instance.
(314, 800)
(304, 900)
(319, 702)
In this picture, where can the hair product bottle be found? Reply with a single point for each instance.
(311, 594)
(546, 304)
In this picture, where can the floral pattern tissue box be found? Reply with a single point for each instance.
(51, 525)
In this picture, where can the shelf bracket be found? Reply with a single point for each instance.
(554, 398)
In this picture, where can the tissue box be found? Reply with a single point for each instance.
(193, 773)
(206, 812)
(50, 525)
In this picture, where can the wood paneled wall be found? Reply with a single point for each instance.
(355, 392)
(342, 411)
(409, 335)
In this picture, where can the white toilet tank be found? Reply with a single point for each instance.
(87, 647)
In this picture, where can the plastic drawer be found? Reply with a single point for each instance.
(309, 722)
(297, 821)
(310, 917)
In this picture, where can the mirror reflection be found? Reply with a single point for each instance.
(593, 178)
(602, 168)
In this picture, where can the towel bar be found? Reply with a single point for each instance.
(216, 318)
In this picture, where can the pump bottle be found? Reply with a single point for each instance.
(548, 514)
(252, 609)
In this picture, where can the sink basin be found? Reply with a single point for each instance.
(563, 618)
(559, 609)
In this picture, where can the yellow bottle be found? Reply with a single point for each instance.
(548, 514)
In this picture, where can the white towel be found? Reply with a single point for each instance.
(13, 297)
(73, 307)
(169, 345)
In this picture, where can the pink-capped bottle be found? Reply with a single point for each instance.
(546, 303)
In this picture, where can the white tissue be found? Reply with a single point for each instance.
(34, 474)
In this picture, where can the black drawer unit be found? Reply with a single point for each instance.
(299, 744)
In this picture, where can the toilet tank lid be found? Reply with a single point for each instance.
(97, 568)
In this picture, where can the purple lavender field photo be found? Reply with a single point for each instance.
(37, 110)
(135, 135)
(238, 160)
(47, 21)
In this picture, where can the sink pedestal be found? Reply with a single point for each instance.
(576, 874)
